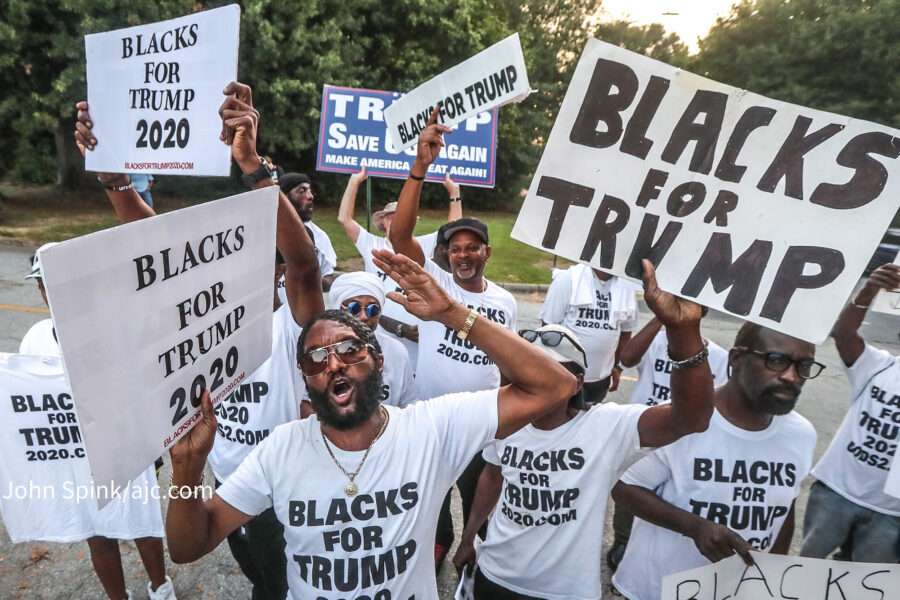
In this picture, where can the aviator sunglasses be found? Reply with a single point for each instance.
(349, 352)
(354, 308)
(779, 362)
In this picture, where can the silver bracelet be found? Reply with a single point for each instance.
(691, 361)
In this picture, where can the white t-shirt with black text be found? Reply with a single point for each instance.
(379, 543)
(745, 480)
(448, 364)
(857, 462)
(592, 324)
(267, 398)
(399, 385)
(545, 536)
(655, 371)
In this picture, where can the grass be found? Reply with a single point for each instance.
(36, 215)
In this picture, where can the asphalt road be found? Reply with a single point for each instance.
(47, 571)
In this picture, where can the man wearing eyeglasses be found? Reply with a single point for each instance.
(731, 488)
(848, 502)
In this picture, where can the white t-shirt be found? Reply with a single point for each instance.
(365, 243)
(39, 340)
(598, 333)
(655, 370)
(267, 398)
(327, 255)
(399, 385)
(448, 364)
(857, 462)
(46, 489)
(379, 543)
(555, 487)
(745, 480)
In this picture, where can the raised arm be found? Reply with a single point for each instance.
(538, 384)
(348, 203)
(692, 387)
(431, 140)
(714, 541)
(635, 349)
(303, 283)
(194, 527)
(846, 329)
(487, 493)
(455, 210)
(127, 203)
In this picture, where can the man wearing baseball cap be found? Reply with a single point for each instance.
(298, 188)
(548, 483)
(394, 319)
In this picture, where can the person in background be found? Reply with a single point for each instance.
(142, 183)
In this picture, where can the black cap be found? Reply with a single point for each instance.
(465, 224)
(289, 181)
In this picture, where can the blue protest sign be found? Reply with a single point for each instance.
(352, 134)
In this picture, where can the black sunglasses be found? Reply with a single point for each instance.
(349, 352)
(354, 308)
(551, 339)
(780, 362)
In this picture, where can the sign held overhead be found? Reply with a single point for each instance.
(748, 205)
(493, 77)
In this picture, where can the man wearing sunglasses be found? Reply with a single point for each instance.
(731, 488)
(361, 295)
(848, 501)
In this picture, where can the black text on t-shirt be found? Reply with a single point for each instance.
(880, 431)
(62, 427)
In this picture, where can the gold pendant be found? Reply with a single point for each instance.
(351, 489)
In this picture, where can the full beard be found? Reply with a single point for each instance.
(768, 402)
(368, 399)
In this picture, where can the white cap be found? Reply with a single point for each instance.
(36, 261)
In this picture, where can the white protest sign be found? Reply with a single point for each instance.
(762, 209)
(888, 302)
(154, 93)
(493, 77)
(788, 577)
(151, 313)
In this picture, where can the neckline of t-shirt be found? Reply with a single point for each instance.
(384, 441)
(733, 429)
(556, 431)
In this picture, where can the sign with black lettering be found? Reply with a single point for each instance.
(763, 209)
(493, 77)
(154, 92)
(777, 576)
(353, 135)
(151, 313)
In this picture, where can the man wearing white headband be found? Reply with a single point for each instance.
(362, 295)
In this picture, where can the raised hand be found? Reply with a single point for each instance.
(425, 298)
(240, 122)
(885, 277)
(452, 186)
(84, 137)
(358, 178)
(431, 140)
(671, 310)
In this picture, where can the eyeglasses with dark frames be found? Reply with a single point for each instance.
(551, 339)
(349, 352)
(780, 362)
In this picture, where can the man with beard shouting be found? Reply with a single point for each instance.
(731, 488)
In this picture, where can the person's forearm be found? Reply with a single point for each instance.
(624, 339)
(128, 204)
(187, 521)
(846, 329)
(648, 506)
(782, 543)
(391, 325)
(455, 210)
(345, 212)
(637, 346)
(401, 235)
(692, 388)
(487, 492)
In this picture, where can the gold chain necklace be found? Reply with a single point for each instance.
(350, 488)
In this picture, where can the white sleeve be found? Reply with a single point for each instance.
(247, 489)
(323, 243)
(557, 301)
(326, 267)
(465, 423)
(408, 392)
(428, 243)
(364, 242)
(490, 453)
(617, 425)
(871, 361)
(649, 472)
(513, 315)
(633, 323)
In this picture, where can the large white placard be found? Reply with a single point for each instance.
(154, 92)
(763, 209)
(784, 577)
(150, 313)
(493, 77)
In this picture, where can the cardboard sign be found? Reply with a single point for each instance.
(352, 134)
(151, 313)
(154, 93)
(765, 210)
(888, 302)
(493, 77)
(776, 576)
